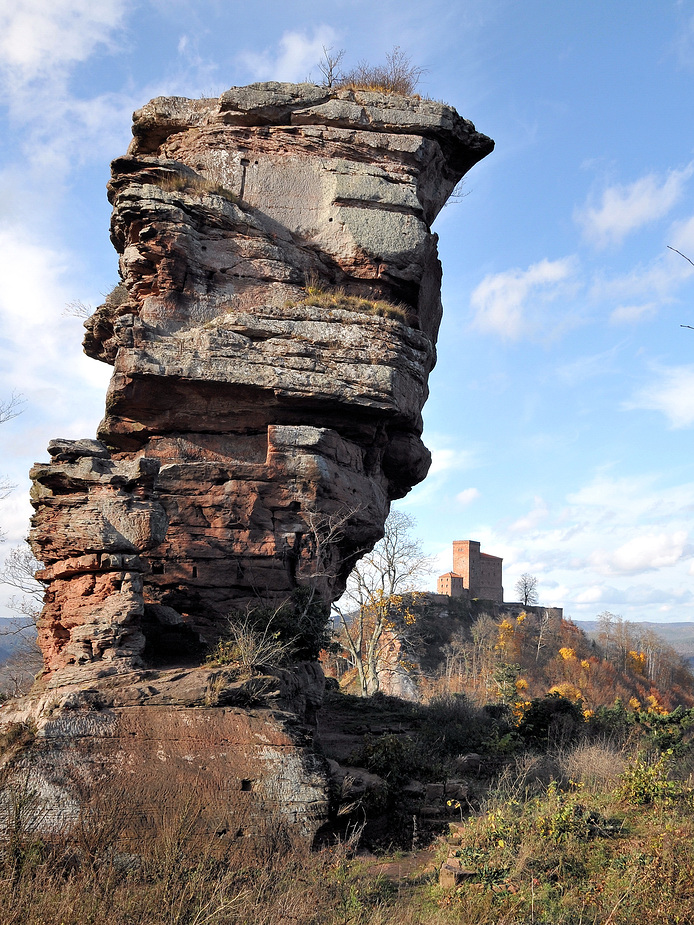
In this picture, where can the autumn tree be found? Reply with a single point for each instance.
(380, 601)
(526, 589)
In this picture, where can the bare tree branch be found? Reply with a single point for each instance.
(329, 65)
(681, 255)
(19, 573)
(11, 407)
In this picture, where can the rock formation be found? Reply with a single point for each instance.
(243, 414)
(271, 341)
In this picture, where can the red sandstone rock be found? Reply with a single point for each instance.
(255, 433)
(239, 417)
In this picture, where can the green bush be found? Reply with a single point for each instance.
(550, 720)
(645, 781)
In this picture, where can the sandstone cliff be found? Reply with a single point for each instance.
(271, 341)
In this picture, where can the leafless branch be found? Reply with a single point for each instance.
(11, 407)
(78, 309)
(19, 573)
(329, 65)
(685, 257)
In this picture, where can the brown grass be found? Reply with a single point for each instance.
(550, 854)
(398, 75)
(595, 765)
(193, 184)
(338, 299)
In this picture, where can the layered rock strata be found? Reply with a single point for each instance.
(271, 339)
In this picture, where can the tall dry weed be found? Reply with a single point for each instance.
(596, 765)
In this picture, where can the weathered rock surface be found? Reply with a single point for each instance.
(242, 422)
(237, 751)
(271, 341)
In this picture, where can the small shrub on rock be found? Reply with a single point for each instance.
(397, 75)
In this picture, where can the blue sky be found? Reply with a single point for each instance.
(562, 406)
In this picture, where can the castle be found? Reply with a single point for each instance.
(475, 574)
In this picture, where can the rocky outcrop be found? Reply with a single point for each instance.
(271, 339)
(236, 751)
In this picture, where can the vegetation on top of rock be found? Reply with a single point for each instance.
(117, 296)
(193, 184)
(397, 75)
(248, 644)
(297, 630)
(320, 297)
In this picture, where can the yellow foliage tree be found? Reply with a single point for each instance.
(380, 604)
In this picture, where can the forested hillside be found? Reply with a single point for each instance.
(429, 649)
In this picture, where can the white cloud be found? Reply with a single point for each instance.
(656, 282)
(36, 339)
(635, 529)
(602, 596)
(445, 459)
(643, 553)
(39, 38)
(532, 519)
(671, 393)
(445, 462)
(628, 314)
(467, 496)
(297, 53)
(501, 301)
(626, 208)
(589, 366)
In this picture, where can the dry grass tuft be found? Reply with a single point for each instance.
(596, 765)
(397, 75)
(338, 299)
(194, 184)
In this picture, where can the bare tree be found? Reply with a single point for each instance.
(526, 589)
(9, 408)
(378, 598)
(542, 627)
(18, 671)
(329, 65)
(19, 572)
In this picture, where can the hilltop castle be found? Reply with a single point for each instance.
(475, 574)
